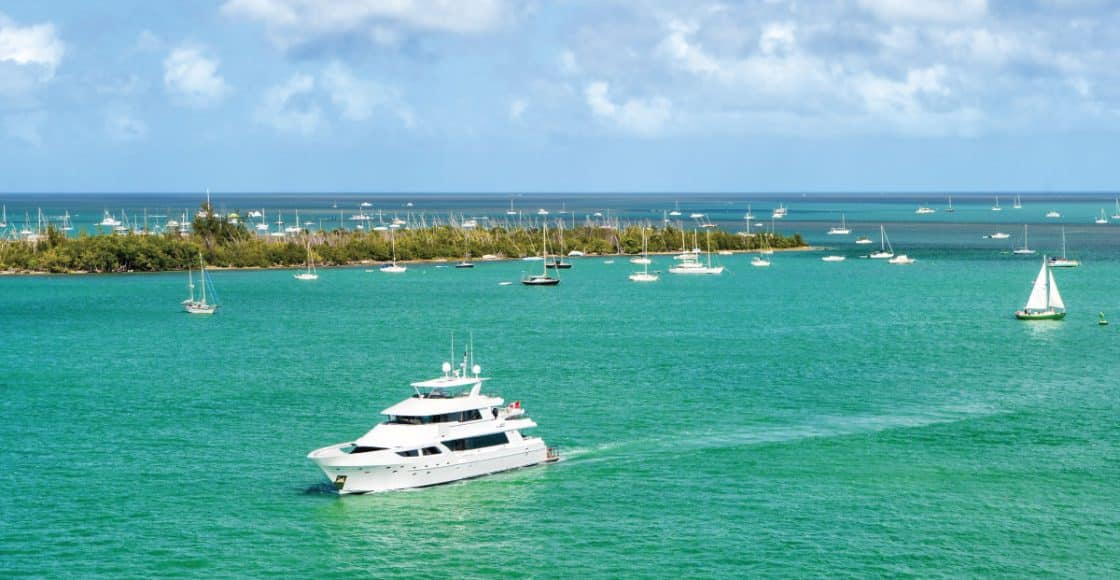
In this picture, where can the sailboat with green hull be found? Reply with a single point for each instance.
(1045, 303)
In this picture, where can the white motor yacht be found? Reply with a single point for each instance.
(446, 431)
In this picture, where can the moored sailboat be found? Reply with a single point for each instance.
(885, 250)
(542, 279)
(1064, 261)
(645, 275)
(1045, 302)
(202, 304)
(311, 273)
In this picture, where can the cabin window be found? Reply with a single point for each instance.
(365, 449)
(431, 451)
(409, 453)
(477, 442)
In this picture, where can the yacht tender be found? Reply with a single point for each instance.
(446, 431)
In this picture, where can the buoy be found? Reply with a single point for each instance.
(1101, 321)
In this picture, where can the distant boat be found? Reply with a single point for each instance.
(1045, 303)
(4, 218)
(311, 273)
(676, 209)
(644, 275)
(780, 212)
(833, 258)
(996, 207)
(558, 262)
(542, 279)
(1025, 250)
(1018, 203)
(393, 267)
(901, 259)
(1103, 219)
(109, 220)
(885, 250)
(1053, 214)
(840, 230)
(925, 209)
(1064, 261)
(1116, 214)
(950, 208)
(691, 262)
(761, 261)
(998, 236)
(200, 305)
(863, 240)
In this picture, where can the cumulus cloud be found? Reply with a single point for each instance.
(295, 22)
(192, 79)
(358, 99)
(643, 117)
(35, 46)
(289, 107)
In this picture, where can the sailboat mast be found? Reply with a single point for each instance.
(544, 247)
(202, 269)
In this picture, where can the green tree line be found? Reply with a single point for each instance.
(233, 245)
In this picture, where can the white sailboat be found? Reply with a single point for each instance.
(393, 267)
(885, 250)
(542, 279)
(841, 230)
(690, 262)
(1064, 261)
(1045, 303)
(761, 261)
(1018, 203)
(996, 207)
(1026, 249)
(644, 275)
(202, 304)
(311, 273)
(4, 217)
(950, 208)
(1053, 214)
(1103, 219)
(1116, 214)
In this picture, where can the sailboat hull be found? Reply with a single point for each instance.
(1021, 315)
(540, 281)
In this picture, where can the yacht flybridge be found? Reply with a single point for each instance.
(446, 431)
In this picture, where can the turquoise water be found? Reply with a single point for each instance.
(850, 418)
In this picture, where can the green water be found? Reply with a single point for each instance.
(810, 419)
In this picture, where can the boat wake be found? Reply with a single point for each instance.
(824, 426)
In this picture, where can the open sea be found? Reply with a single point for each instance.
(807, 419)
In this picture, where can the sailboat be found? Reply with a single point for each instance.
(1103, 219)
(885, 250)
(1115, 215)
(996, 207)
(542, 279)
(761, 261)
(1025, 250)
(841, 230)
(690, 263)
(644, 275)
(1064, 261)
(311, 273)
(201, 305)
(950, 208)
(4, 217)
(393, 267)
(558, 262)
(1018, 203)
(1045, 303)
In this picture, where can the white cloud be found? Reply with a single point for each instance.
(289, 107)
(678, 48)
(121, 126)
(192, 78)
(293, 22)
(357, 99)
(777, 38)
(926, 10)
(882, 95)
(35, 46)
(517, 108)
(643, 117)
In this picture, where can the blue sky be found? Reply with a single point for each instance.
(524, 95)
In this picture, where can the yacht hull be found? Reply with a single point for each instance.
(350, 478)
(1040, 315)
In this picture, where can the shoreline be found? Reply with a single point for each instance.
(366, 263)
